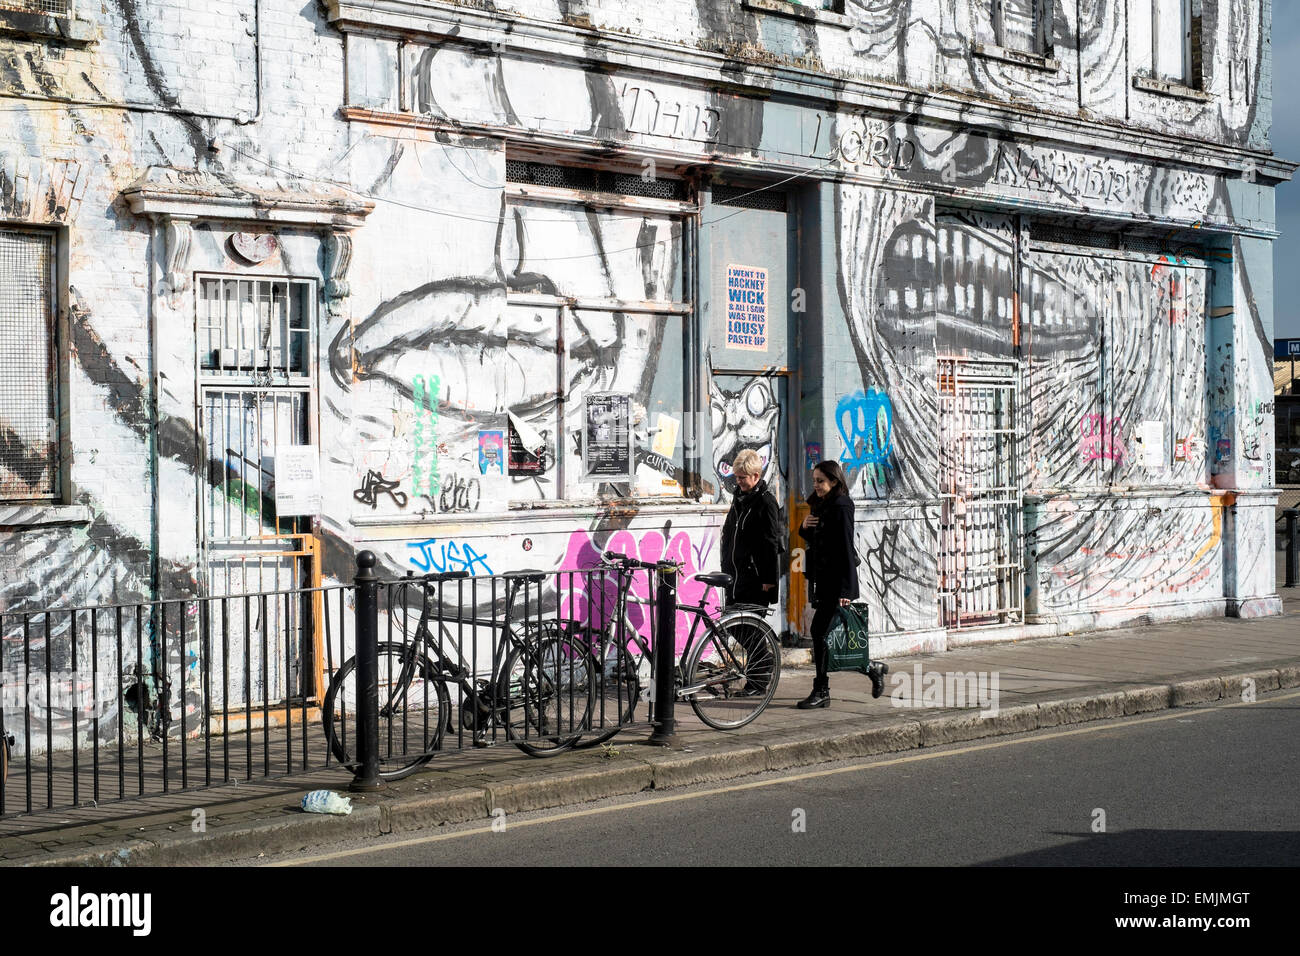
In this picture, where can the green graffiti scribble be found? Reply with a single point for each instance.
(424, 463)
(246, 496)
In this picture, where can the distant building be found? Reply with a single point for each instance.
(526, 275)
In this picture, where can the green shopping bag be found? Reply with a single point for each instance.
(847, 640)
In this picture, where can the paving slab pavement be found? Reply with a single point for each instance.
(1046, 682)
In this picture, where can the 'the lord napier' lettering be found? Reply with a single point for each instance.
(1062, 174)
(664, 113)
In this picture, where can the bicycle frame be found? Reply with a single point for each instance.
(482, 693)
(699, 613)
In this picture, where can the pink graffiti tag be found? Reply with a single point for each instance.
(592, 598)
(1101, 438)
(1170, 300)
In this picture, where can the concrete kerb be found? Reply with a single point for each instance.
(480, 794)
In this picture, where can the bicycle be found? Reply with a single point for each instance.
(532, 679)
(728, 676)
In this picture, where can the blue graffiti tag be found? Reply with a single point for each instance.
(866, 424)
(448, 556)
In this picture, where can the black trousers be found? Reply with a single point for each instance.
(823, 617)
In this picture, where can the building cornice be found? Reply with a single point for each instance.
(526, 37)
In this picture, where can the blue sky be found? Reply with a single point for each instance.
(1286, 143)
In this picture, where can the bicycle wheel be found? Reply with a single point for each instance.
(617, 690)
(545, 692)
(733, 671)
(413, 711)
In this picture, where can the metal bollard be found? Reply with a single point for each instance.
(665, 723)
(367, 623)
(1292, 547)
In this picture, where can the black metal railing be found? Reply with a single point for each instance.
(112, 702)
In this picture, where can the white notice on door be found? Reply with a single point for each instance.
(297, 480)
(1153, 444)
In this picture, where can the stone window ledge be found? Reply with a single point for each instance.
(1033, 61)
(782, 8)
(38, 26)
(37, 515)
(1150, 84)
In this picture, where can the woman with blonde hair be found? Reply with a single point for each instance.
(751, 535)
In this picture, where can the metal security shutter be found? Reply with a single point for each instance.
(28, 421)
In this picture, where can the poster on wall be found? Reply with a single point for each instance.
(607, 442)
(527, 449)
(665, 431)
(297, 480)
(491, 452)
(1153, 444)
(747, 308)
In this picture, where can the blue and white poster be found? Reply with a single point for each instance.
(747, 308)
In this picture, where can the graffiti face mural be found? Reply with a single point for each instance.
(746, 414)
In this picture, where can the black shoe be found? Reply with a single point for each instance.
(818, 698)
(878, 670)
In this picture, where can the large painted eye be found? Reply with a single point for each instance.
(757, 398)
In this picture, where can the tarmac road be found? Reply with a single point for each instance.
(1195, 786)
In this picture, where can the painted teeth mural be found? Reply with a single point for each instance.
(475, 274)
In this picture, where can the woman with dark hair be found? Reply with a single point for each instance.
(832, 571)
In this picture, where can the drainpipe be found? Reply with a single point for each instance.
(691, 367)
(243, 118)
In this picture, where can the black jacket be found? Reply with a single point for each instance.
(831, 567)
(751, 545)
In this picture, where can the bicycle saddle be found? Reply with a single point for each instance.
(527, 574)
(444, 576)
(716, 578)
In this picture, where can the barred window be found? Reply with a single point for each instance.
(50, 8)
(29, 436)
(256, 329)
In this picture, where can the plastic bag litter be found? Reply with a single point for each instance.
(326, 801)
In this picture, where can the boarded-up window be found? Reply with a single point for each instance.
(29, 446)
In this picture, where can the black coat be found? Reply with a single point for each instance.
(751, 545)
(831, 566)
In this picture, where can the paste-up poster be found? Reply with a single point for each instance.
(666, 430)
(297, 480)
(527, 449)
(491, 452)
(1153, 444)
(607, 440)
(747, 308)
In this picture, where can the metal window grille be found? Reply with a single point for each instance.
(28, 421)
(980, 545)
(51, 8)
(258, 330)
(1072, 236)
(595, 180)
(749, 197)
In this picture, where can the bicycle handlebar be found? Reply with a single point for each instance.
(617, 559)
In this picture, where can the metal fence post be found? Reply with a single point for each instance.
(367, 625)
(665, 722)
(1292, 547)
